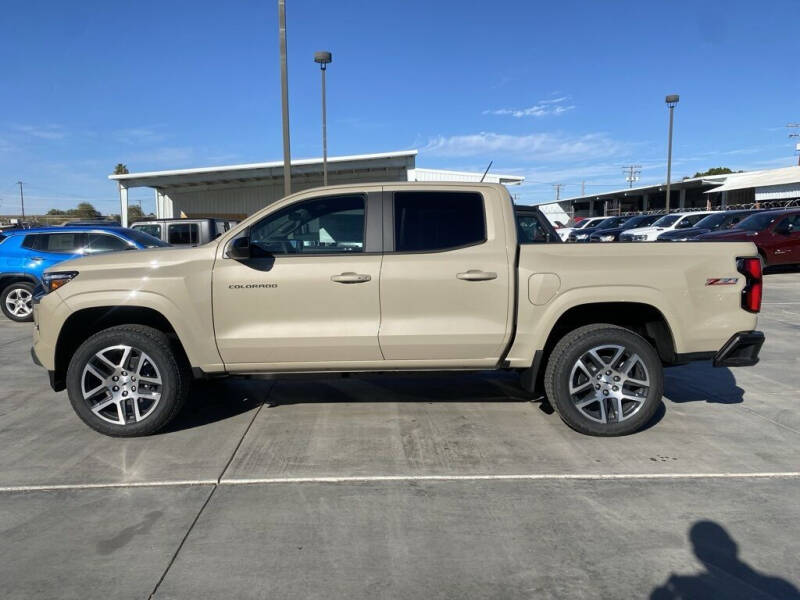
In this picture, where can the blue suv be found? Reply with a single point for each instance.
(26, 253)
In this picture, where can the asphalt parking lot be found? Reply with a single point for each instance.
(410, 486)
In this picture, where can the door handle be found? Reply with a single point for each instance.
(477, 275)
(351, 277)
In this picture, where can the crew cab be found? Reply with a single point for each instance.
(668, 222)
(394, 277)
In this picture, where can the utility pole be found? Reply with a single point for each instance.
(632, 173)
(795, 135)
(558, 187)
(21, 200)
(287, 160)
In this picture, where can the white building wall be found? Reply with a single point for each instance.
(786, 191)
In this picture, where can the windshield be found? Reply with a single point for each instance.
(145, 239)
(611, 222)
(756, 222)
(666, 220)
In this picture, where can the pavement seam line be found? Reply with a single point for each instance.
(216, 484)
(182, 542)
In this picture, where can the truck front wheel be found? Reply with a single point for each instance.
(604, 380)
(126, 381)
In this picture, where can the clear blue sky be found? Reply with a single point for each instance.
(557, 91)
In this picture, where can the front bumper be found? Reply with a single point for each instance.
(741, 350)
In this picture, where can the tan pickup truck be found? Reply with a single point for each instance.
(395, 277)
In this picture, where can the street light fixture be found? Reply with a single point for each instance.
(671, 101)
(324, 58)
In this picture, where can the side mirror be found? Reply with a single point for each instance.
(239, 249)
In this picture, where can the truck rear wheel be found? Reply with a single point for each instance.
(604, 380)
(126, 381)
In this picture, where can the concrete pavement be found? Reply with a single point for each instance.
(236, 499)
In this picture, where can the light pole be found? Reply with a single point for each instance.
(671, 101)
(287, 160)
(324, 58)
(22, 201)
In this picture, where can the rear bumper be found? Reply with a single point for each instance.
(741, 350)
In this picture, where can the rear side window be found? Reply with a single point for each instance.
(183, 233)
(151, 229)
(59, 243)
(428, 221)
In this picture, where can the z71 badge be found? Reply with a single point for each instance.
(722, 281)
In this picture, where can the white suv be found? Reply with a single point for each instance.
(564, 232)
(666, 223)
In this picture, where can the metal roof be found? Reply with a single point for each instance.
(758, 179)
(266, 170)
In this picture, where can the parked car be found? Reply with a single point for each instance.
(683, 220)
(612, 234)
(588, 222)
(583, 234)
(776, 234)
(185, 232)
(718, 221)
(26, 253)
(533, 227)
(394, 277)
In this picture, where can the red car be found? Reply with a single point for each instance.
(776, 234)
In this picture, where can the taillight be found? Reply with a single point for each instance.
(754, 284)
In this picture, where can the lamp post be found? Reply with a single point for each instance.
(324, 58)
(671, 101)
(287, 161)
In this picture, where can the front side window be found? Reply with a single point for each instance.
(692, 220)
(103, 242)
(530, 230)
(430, 221)
(666, 220)
(756, 222)
(327, 225)
(150, 228)
(183, 233)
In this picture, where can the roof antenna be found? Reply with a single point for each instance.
(486, 171)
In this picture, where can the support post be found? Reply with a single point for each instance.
(682, 198)
(123, 205)
(287, 161)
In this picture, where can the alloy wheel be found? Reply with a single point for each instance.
(19, 302)
(121, 384)
(609, 383)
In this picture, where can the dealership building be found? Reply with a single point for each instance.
(236, 191)
(767, 187)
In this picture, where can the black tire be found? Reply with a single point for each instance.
(174, 375)
(637, 412)
(19, 286)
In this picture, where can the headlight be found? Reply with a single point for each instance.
(606, 238)
(56, 279)
(581, 236)
(642, 237)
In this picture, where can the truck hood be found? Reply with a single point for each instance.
(151, 258)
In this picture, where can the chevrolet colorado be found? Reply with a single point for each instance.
(394, 277)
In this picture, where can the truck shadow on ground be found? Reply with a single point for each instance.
(725, 575)
(216, 400)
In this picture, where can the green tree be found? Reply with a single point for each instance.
(56, 212)
(121, 169)
(135, 213)
(716, 171)
(85, 210)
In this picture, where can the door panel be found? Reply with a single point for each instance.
(444, 304)
(310, 292)
(288, 309)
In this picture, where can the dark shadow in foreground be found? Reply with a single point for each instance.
(726, 576)
(702, 382)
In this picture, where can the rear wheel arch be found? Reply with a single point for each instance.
(641, 318)
(84, 323)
